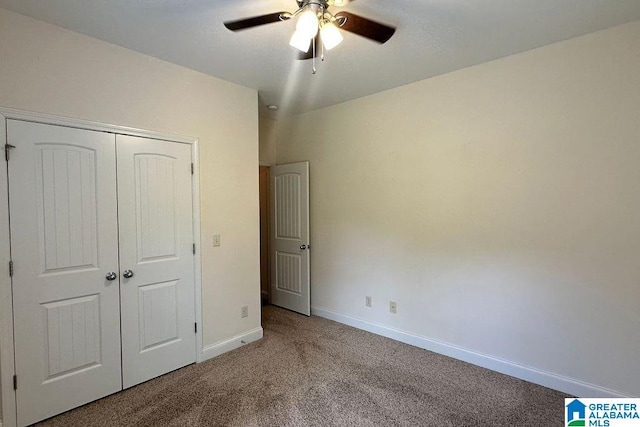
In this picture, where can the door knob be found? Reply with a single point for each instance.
(127, 274)
(111, 276)
(303, 247)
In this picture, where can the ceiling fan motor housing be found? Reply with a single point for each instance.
(324, 4)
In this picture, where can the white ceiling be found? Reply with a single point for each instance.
(433, 37)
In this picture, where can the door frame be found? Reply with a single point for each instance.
(7, 353)
(265, 235)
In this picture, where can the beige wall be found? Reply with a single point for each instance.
(46, 69)
(499, 205)
(268, 128)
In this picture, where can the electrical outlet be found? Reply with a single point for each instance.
(216, 240)
(244, 311)
(393, 307)
(368, 301)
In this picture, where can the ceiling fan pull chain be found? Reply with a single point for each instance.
(321, 43)
(314, 55)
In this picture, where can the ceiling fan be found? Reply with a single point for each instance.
(317, 26)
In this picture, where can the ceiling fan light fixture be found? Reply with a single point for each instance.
(315, 20)
(300, 41)
(307, 24)
(330, 35)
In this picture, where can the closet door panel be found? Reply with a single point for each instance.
(156, 238)
(62, 190)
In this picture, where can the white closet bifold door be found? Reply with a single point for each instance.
(156, 250)
(63, 244)
(102, 249)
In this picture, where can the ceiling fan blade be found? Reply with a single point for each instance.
(364, 27)
(243, 24)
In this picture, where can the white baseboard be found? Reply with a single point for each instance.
(221, 347)
(546, 379)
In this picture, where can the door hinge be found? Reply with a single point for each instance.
(10, 268)
(7, 147)
(194, 248)
(15, 382)
(195, 328)
(192, 169)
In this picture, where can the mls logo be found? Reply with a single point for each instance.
(576, 415)
(602, 412)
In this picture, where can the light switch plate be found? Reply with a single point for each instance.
(216, 240)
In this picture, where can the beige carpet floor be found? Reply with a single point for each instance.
(315, 372)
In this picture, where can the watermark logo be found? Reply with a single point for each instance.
(620, 412)
(576, 411)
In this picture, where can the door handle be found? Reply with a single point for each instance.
(303, 247)
(127, 274)
(111, 276)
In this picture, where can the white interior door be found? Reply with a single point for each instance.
(63, 244)
(156, 247)
(290, 280)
